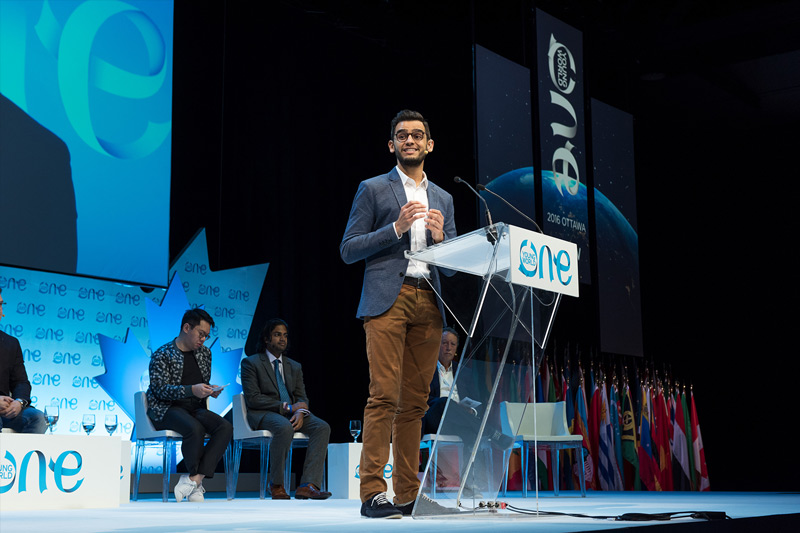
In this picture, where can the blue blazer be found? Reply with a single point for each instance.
(370, 236)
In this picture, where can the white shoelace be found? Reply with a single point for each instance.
(380, 499)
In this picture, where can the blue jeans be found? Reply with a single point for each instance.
(29, 420)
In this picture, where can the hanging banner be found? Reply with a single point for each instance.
(504, 137)
(618, 280)
(562, 134)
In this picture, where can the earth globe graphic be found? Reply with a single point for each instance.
(617, 240)
(614, 232)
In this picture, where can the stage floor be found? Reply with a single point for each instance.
(768, 512)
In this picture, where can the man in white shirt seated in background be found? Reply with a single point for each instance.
(463, 417)
(443, 381)
(464, 410)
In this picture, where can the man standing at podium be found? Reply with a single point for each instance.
(391, 213)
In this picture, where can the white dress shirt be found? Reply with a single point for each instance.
(280, 364)
(447, 381)
(272, 358)
(417, 232)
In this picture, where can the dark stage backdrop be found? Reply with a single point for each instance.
(278, 116)
(279, 111)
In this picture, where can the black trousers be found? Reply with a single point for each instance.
(193, 421)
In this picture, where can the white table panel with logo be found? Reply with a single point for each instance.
(62, 471)
(343, 465)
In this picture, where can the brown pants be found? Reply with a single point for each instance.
(402, 348)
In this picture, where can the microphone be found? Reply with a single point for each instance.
(482, 187)
(491, 236)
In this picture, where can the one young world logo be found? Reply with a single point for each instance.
(528, 261)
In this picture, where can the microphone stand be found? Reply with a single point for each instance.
(482, 187)
(491, 235)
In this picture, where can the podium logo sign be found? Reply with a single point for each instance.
(543, 262)
(557, 266)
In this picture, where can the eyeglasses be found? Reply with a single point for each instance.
(403, 135)
(2, 303)
(203, 335)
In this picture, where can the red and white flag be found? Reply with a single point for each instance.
(701, 471)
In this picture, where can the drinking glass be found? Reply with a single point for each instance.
(51, 416)
(355, 429)
(111, 424)
(88, 423)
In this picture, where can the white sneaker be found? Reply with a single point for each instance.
(197, 494)
(184, 488)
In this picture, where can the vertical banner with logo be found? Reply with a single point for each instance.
(562, 134)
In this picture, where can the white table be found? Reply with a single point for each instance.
(63, 471)
(343, 480)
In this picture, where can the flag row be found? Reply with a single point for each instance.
(638, 433)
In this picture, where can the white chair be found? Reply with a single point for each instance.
(432, 442)
(245, 436)
(300, 440)
(550, 432)
(147, 434)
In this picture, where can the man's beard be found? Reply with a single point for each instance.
(411, 161)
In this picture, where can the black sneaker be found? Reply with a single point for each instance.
(380, 507)
(426, 507)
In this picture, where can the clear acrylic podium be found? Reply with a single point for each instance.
(523, 279)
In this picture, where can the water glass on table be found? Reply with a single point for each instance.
(355, 429)
(88, 423)
(51, 416)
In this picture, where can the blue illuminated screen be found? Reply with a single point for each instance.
(85, 137)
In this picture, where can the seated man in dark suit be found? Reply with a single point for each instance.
(443, 381)
(15, 389)
(463, 415)
(464, 410)
(276, 401)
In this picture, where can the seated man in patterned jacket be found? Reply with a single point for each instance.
(180, 372)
